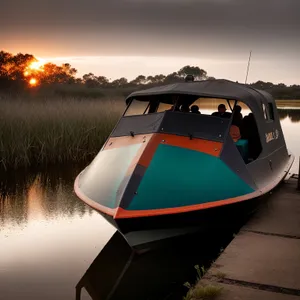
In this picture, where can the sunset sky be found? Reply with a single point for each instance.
(119, 38)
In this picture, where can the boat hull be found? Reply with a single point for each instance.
(204, 220)
(164, 180)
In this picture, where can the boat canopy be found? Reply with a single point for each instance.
(214, 88)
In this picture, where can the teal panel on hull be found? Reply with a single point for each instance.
(178, 177)
(105, 180)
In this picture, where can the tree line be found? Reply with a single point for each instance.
(22, 71)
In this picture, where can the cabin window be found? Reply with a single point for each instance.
(163, 107)
(207, 106)
(271, 111)
(137, 108)
(264, 111)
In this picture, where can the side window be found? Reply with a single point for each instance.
(268, 111)
(264, 111)
(271, 111)
(137, 108)
(163, 107)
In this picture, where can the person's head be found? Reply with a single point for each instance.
(195, 109)
(238, 109)
(185, 108)
(174, 100)
(175, 106)
(250, 116)
(221, 108)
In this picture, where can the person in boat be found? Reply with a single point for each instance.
(235, 132)
(184, 108)
(238, 113)
(221, 112)
(195, 109)
(249, 132)
(175, 106)
(237, 116)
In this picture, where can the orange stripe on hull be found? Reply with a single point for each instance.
(205, 146)
(125, 214)
(151, 141)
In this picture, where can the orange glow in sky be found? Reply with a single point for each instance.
(33, 82)
(32, 70)
(36, 66)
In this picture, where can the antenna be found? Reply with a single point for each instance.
(248, 67)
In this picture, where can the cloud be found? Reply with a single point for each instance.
(144, 27)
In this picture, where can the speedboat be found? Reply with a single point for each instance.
(167, 165)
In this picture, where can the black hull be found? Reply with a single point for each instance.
(205, 220)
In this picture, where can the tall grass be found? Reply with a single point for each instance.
(54, 131)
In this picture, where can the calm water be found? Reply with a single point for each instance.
(48, 238)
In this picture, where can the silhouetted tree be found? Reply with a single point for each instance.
(172, 78)
(119, 82)
(103, 81)
(56, 74)
(90, 80)
(157, 79)
(141, 79)
(199, 74)
(17, 71)
(13, 66)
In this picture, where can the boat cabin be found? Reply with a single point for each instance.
(247, 115)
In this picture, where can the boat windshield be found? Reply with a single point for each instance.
(137, 107)
(198, 106)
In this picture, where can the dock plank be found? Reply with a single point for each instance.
(245, 293)
(281, 214)
(265, 255)
(268, 260)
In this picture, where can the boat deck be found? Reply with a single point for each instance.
(263, 260)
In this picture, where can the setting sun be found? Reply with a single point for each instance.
(33, 82)
(33, 71)
(36, 65)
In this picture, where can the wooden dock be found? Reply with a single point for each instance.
(263, 260)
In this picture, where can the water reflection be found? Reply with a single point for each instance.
(48, 237)
(39, 196)
(292, 114)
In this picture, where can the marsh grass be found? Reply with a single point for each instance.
(199, 291)
(203, 292)
(38, 131)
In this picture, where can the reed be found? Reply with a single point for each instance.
(37, 132)
(203, 292)
(199, 291)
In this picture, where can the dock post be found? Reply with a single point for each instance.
(298, 185)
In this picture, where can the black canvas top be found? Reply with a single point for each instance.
(216, 88)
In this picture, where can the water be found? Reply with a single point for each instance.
(290, 122)
(49, 238)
